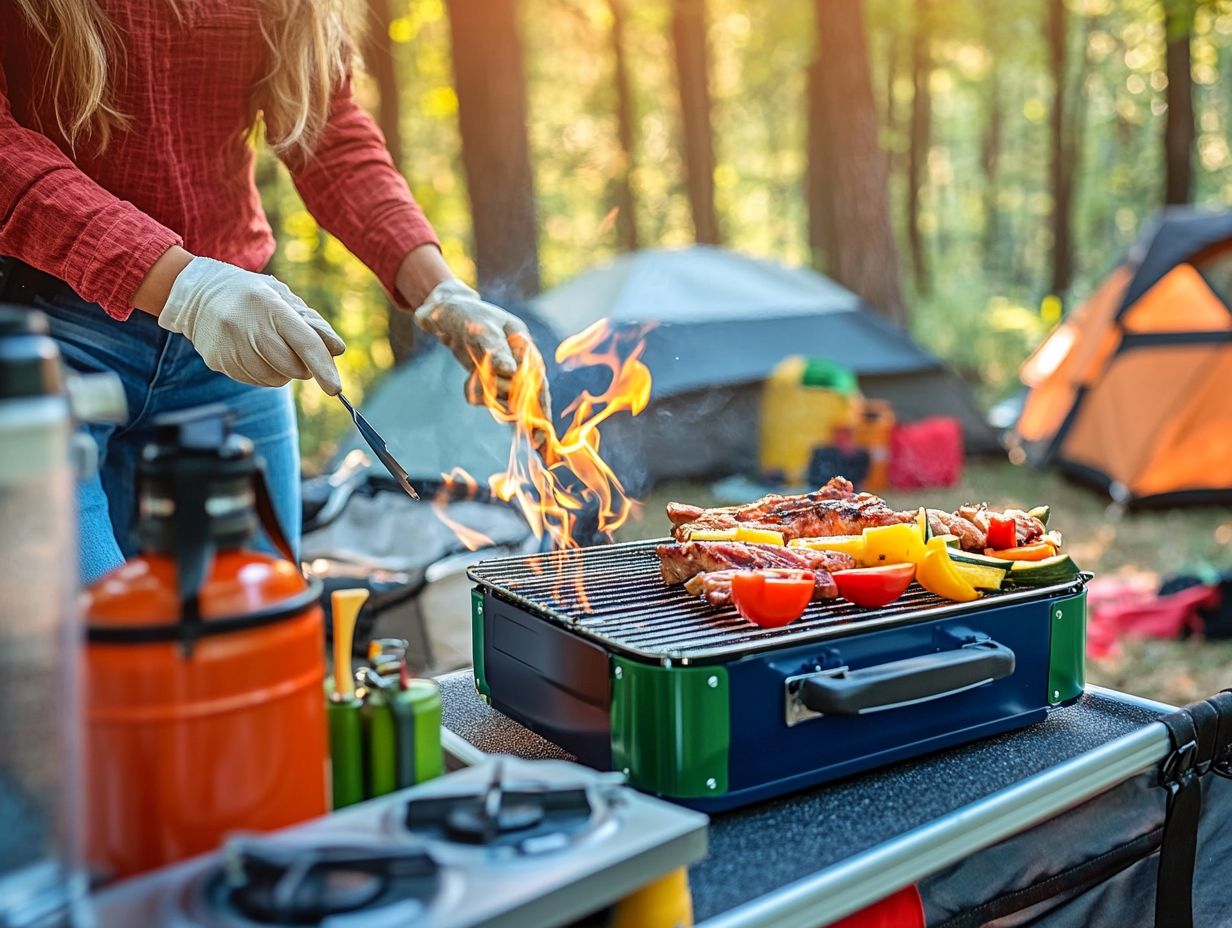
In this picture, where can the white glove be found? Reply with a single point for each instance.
(251, 327)
(473, 329)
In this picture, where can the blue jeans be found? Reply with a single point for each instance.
(161, 373)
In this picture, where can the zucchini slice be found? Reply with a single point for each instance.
(958, 556)
(1042, 513)
(1055, 569)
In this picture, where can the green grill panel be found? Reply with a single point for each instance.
(481, 681)
(1067, 667)
(671, 728)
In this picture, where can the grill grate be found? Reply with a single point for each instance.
(615, 595)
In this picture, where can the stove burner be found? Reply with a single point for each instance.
(529, 819)
(473, 824)
(276, 883)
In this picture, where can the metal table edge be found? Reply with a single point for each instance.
(863, 879)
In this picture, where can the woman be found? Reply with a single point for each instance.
(126, 183)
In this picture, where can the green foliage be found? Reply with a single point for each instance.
(988, 281)
(983, 334)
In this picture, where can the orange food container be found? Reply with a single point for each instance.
(204, 666)
(873, 431)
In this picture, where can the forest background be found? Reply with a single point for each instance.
(972, 167)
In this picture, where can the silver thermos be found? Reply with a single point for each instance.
(41, 882)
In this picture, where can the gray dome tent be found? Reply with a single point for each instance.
(723, 322)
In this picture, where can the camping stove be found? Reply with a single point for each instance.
(509, 842)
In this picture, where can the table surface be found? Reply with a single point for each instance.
(763, 848)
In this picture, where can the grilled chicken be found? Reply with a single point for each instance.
(771, 511)
(800, 517)
(682, 562)
(836, 509)
(1027, 528)
(970, 536)
(716, 586)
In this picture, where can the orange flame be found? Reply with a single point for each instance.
(554, 478)
(471, 538)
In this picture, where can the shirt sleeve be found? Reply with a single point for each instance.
(350, 184)
(55, 218)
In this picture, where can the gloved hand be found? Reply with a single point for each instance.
(473, 329)
(251, 327)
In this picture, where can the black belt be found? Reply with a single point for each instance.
(22, 284)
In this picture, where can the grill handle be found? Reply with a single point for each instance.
(907, 682)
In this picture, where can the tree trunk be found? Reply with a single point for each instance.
(626, 217)
(381, 67)
(1179, 124)
(990, 143)
(921, 124)
(692, 73)
(849, 211)
(893, 58)
(1061, 173)
(379, 62)
(491, 87)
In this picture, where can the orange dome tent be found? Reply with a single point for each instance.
(1133, 390)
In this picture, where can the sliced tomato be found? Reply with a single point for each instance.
(1036, 552)
(1002, 532)
(772, 600)
(871, 587)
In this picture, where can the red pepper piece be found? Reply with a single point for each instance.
(1002, 532)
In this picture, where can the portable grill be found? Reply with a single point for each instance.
(592, 650)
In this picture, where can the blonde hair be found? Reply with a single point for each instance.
(310, 52)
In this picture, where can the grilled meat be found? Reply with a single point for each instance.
(1027, 528)
(836, 509)
(771, 511)
(682, 562)
(716, 586)
(808, 516)
(970, 536)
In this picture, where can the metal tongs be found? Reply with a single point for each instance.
(379, 448)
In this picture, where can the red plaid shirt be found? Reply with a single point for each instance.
(183, 172)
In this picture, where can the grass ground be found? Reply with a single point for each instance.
(1106, 542)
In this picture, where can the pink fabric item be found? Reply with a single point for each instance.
(1118, 609)
(183, 172)
(928, 453)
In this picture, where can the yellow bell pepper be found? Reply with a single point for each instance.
(893, 544)
(936, 574)
(713, 534)
(758, 536)
(846, 544)
(979, 576)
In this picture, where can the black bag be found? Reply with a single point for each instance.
(362, 530)
(1151, 851)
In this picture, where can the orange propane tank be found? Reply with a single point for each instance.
(204, 664)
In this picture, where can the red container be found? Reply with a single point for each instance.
(928, 453)
(204, 673)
